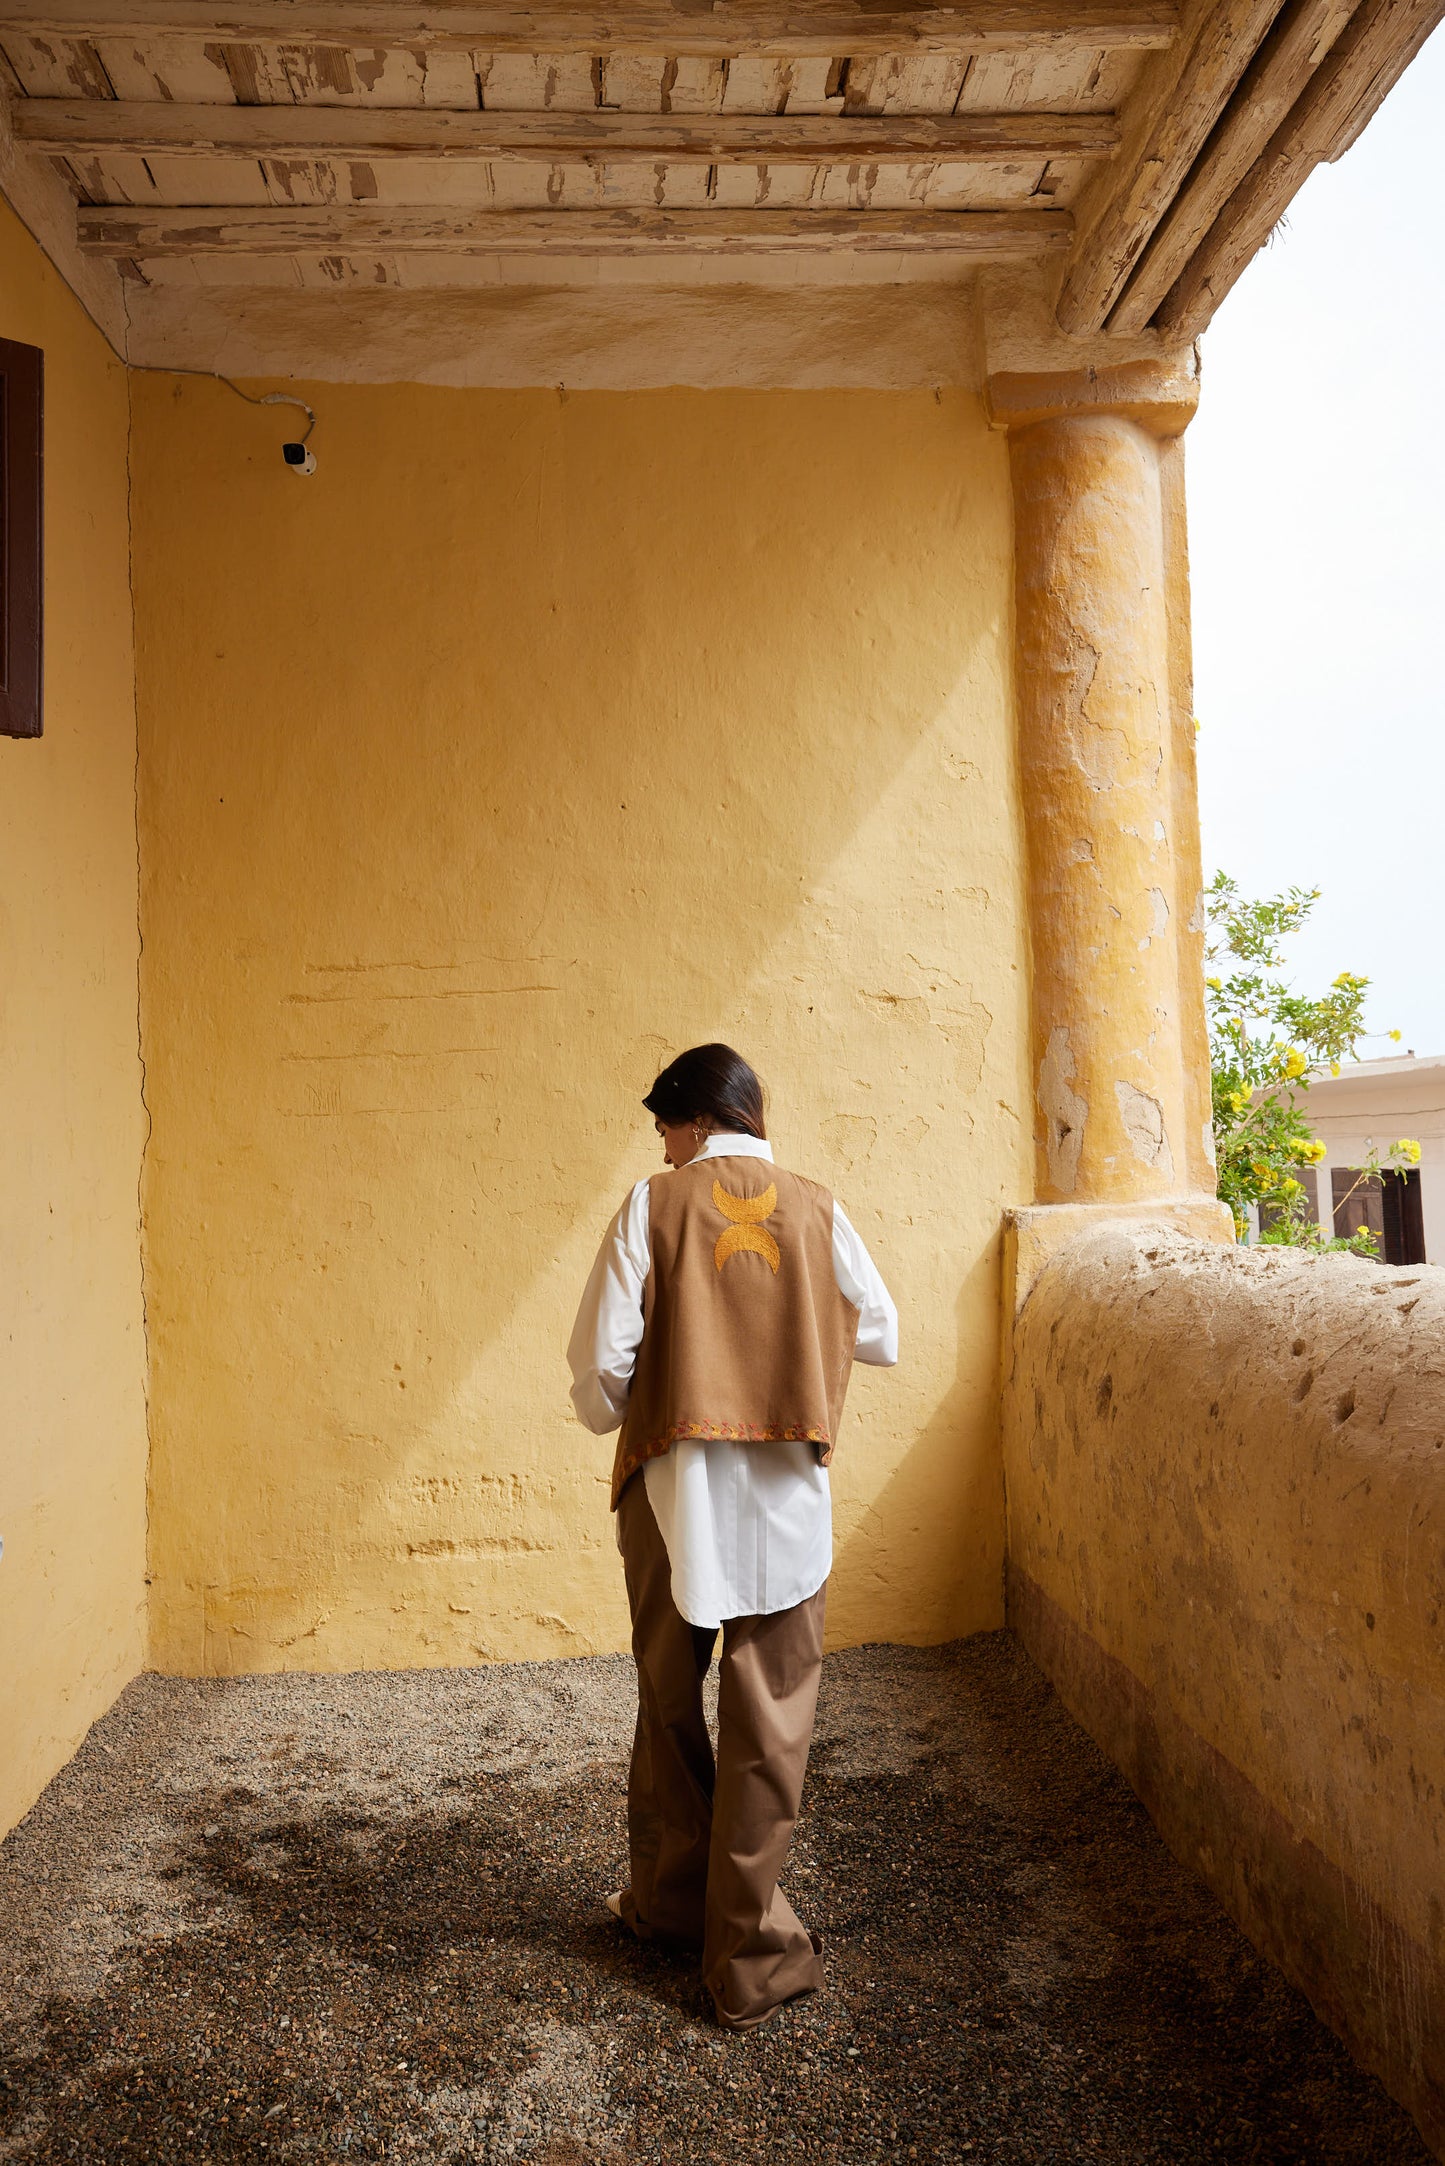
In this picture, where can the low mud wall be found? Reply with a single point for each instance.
(1226, 1524)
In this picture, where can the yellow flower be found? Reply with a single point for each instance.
(1408, 1148)
(1295, 1063)
(1334, 1067)
(1311, 1153)
(1397, 1035)
(1216, 985)
(1239, 1100)
(1263, 1174)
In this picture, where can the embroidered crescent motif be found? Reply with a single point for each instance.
(747, 1230)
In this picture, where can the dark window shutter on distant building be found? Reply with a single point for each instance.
(1390, 1205)
(1357, 1202)
(1404, 1218)
(21, 581)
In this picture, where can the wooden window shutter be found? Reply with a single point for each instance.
(21, 563)
(1404, 1218)
(1357, 1203)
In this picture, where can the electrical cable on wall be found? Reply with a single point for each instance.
(298, 455)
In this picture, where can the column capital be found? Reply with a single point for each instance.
(1159, 394)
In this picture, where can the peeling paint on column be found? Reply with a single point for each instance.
(1064, 1111)
(1096, 694)
(1143, 1119)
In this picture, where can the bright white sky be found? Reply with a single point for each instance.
(1317, 534)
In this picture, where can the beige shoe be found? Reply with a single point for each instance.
(614, 1904)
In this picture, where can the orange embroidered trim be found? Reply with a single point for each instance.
(740, 1432)
(747, 1230)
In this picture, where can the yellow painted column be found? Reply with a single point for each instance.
(1119, 1064)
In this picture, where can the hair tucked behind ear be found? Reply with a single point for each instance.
(713, 1082)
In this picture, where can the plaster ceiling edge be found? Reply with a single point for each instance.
(614, 338)
(44, 205)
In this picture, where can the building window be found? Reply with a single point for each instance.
(1404, 1217)
(1389, 1205)
(21, 580)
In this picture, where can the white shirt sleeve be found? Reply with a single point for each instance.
(602, 1352)
(858, 1280)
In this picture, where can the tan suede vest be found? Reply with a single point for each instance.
(745, 1333)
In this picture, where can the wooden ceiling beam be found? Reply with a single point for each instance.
(353, 229)
(784, 28)
(1276, 78)
(98, 127)
(1362, 67)
(1166, 124)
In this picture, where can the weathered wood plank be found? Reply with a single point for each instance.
(671, 27)
(693, 85)
(906, 83)
(403, 180)
(631, 82)
(159, 70)
(1169, 119)
(114, 180)
(92, 126)
(1363, 66)
(754, 83)
(345, 230)
(1049, 80)
(526, 82)
(69, 68)
(1275, 79)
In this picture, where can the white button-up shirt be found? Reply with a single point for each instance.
(748, 1527)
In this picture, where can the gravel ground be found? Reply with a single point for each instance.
(335, 1919)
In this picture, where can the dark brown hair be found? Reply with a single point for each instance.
(713, 1082)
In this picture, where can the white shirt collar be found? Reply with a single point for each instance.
(730, 1146)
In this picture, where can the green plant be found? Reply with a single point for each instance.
(1265, 1042)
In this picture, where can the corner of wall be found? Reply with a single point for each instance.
(73, 1623)
(140, 1020)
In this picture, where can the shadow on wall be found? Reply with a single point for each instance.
(536, 738)
(947, 1486)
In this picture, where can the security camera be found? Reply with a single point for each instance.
(299, 458)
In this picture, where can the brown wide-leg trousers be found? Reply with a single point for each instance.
(708, 1842)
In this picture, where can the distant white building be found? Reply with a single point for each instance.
(1368, 1106)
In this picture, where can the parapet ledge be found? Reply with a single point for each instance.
(1035, 1233)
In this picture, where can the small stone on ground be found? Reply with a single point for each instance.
(326, 1920)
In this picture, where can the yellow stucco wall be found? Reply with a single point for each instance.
(533, 739)
(72, 1377)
